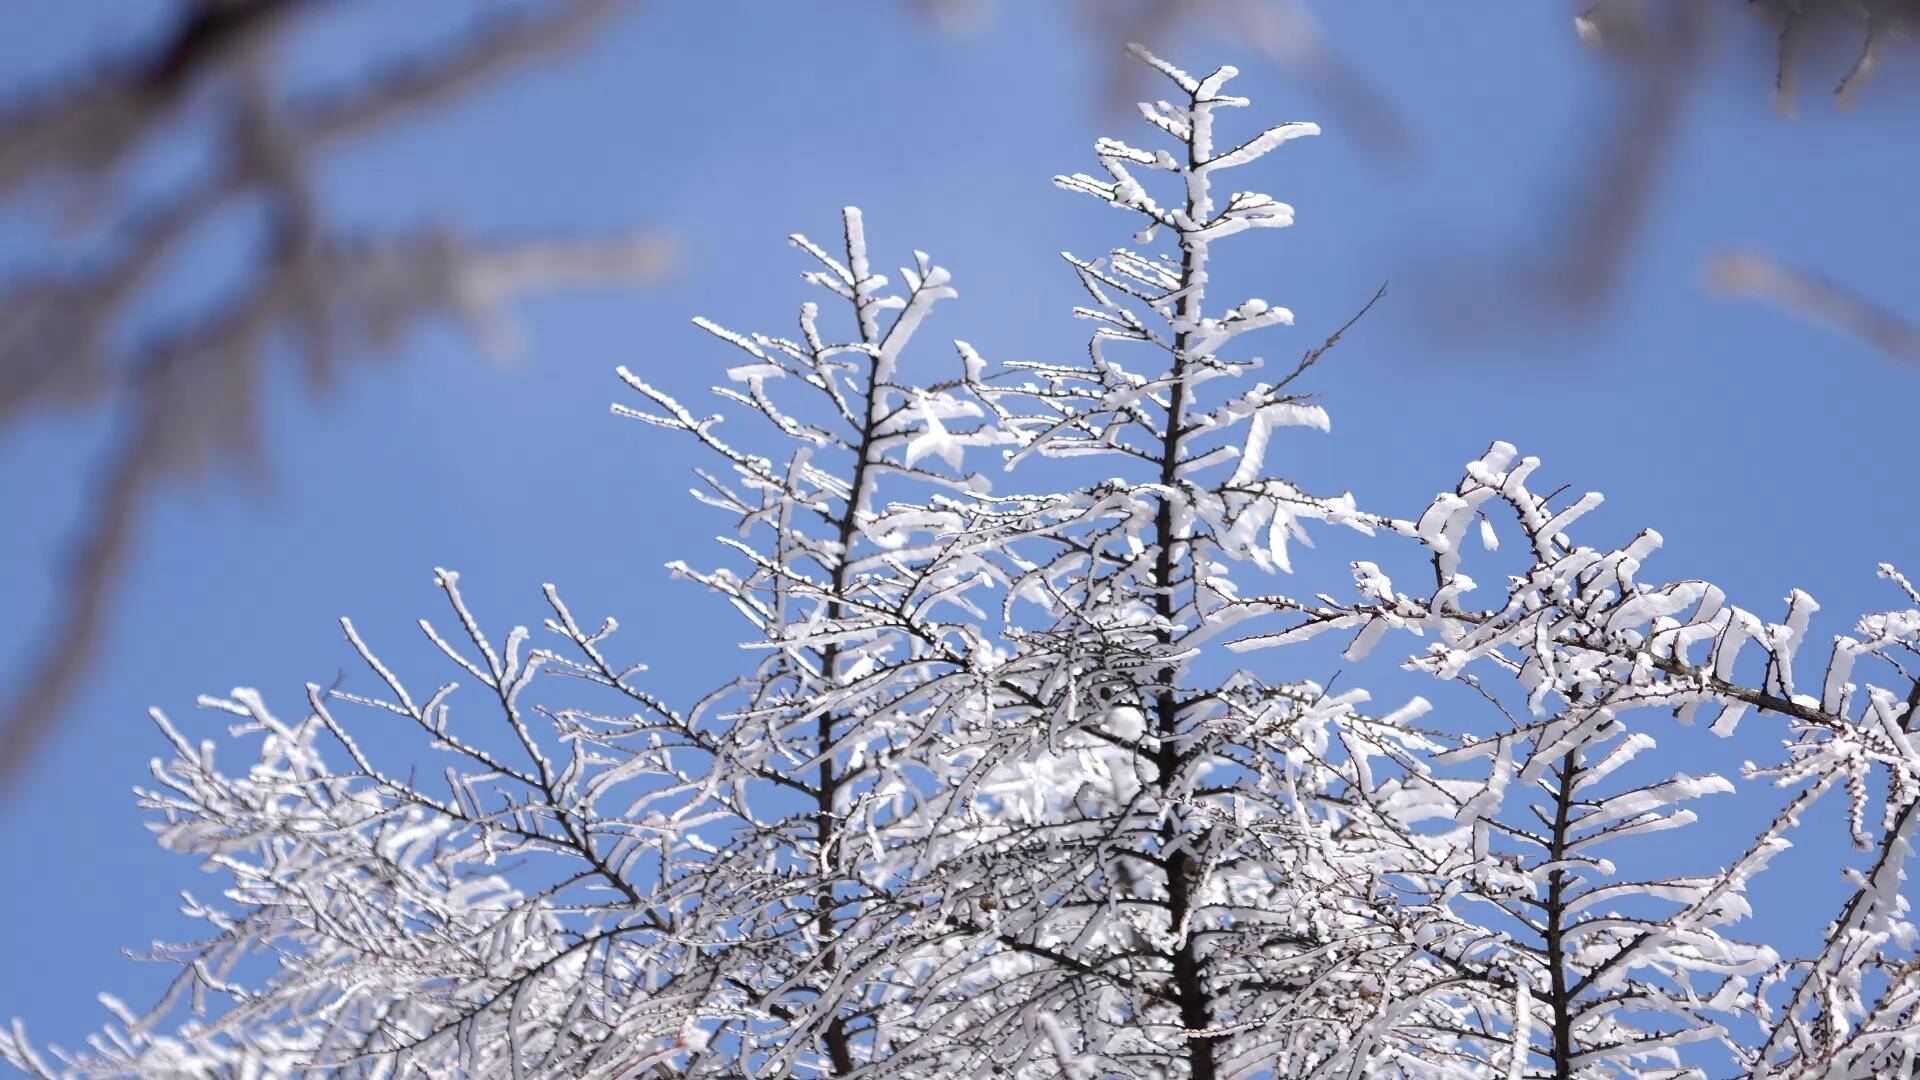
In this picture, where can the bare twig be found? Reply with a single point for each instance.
(1312, 356)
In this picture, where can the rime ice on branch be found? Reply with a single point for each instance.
(1148, 859)
(858, 578)
(1613, 975)
(985, 796)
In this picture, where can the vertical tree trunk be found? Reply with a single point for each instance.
(1558, 994)
(1190, 989)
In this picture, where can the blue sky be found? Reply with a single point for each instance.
(1770, 453)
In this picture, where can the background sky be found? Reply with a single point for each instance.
(1770, 453)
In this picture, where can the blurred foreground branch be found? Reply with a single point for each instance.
(74, 329)
(1756, 276)
(1660, 52)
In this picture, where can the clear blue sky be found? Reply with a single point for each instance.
(1769, 452)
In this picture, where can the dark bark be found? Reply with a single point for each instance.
(1190, 989)
(1560, 995)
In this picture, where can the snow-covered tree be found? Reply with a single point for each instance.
(856, 573)
(1580, 965)
(1150, 844)
(1015, 782)
(689, 891)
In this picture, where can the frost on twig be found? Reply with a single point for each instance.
(1021, 768)
(1138, 854)
(1626, 971)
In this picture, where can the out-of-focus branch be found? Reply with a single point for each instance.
(1872, 22)
(88, 128)
(1615, 24)
(69, 332)
(70, 642)
(1657, 55)
(498, 44)
(1753, 275)
(194, 399)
